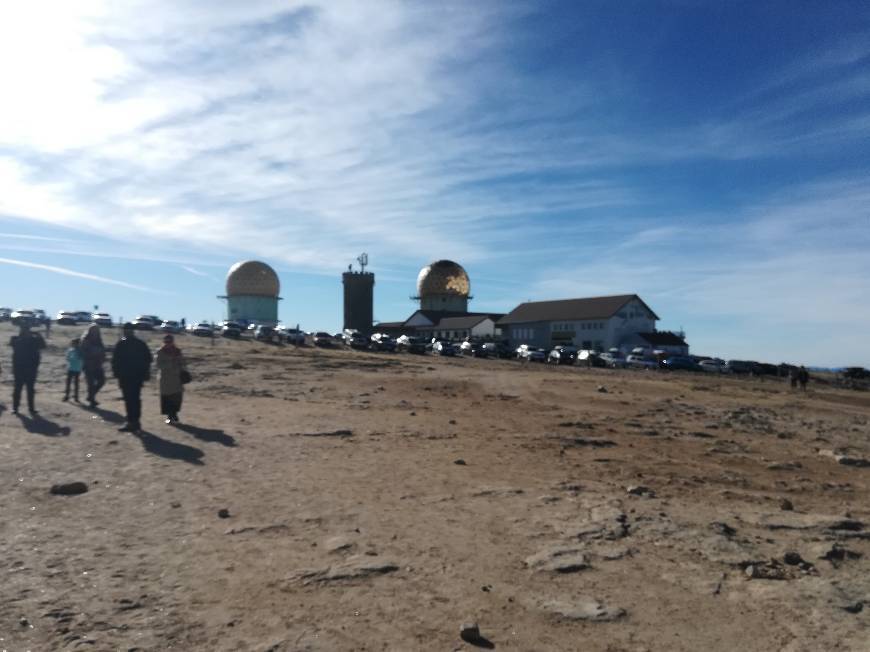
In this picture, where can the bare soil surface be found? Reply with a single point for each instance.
(378, 502)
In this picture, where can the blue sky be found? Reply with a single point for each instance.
(712, 157)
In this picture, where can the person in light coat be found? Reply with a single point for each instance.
(170, 364)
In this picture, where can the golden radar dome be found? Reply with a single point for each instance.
(443, 277)
(252, 278)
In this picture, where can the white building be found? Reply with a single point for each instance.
(601, 323)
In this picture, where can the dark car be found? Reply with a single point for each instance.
(474, 349)
(231, 329)
(499, 350)
(382, 342)
(680, 362)
(443, 347)
(411, 344)
(562, 355)
(322, 339)
(856, 373)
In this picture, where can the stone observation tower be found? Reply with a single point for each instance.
(443, 285)
(359, 290)
(252, 293)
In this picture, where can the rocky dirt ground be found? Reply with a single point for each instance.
(378, 502)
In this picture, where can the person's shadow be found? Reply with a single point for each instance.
(106, 415)
(207, 434)
(170, 450)
(39, 425)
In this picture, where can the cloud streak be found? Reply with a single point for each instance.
(69, 272)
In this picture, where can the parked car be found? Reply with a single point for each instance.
(22, 315)
(473, 349)
(5, 314)
(170, 326)
(294, 336)
(40, 316)
(498, 350)
(443, 347)
(322, 339)
(680, 363)
(713, 366)
(83, 316)
(590, 358)
(532, 354)
(355, 340)
(856, 373)
(66, 318)
(641, 362)
(741, 366)
(202, 329)
(102, 319)
(612, 360)
(265, 333)
(562, 355)
(231, 329)
(382, 342)
(411, 344)
(143, 323)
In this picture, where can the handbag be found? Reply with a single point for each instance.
(185, 377)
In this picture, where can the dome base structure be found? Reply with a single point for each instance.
(253, 310)
(444, 302)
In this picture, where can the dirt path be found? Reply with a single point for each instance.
(377, 502)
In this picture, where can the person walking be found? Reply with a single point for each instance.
(172, 366)
(93, 357)
(803, 377)
(26, 355)
(131, 365)
(73, 369)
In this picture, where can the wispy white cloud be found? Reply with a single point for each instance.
(70, 272)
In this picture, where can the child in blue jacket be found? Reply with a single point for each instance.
(73, 369)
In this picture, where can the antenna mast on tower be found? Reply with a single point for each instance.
(363, 260)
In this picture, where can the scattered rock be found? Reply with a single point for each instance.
(856, 608)
(330, 433)
(793, 559)
(584, 442)
(723, 528)
(601, 389)
(583, 608)
(69, 489)
(702, 435)
(469, 632)
(785, 466)
(786, 505)
(353, 568)
(24, 622)
(452, 422)
(640, 490)
(460, 462)
(338, 544)
(771, 570)
(223, 513)
(558, 560)
(837, 553)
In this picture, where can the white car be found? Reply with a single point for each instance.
(202, 329)
(67, 318)
(102, 319)
(532, 354)
(290, 335)
(170, 326)
(713, 366)
(612, 360)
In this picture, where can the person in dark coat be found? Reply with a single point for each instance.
(803, 377)
(26, 348)
(93, 358)
(131, 365)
